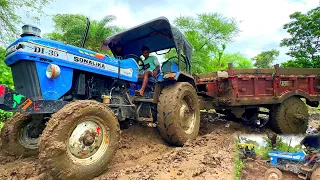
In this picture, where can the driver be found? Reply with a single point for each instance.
(315, 153)
(152, 66)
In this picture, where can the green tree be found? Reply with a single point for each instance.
(5, 75)
(9, 18)
(265, 58)
(5, 78)
(207, 32)
(298, 63)
(239, 60)
(304, 43)
(70, 28)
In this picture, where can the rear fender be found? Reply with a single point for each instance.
(166, 79)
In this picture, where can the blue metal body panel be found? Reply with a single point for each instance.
(68, 58)
(169, 67)
(276, 155)
(53, 89)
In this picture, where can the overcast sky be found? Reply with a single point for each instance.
(261, 26)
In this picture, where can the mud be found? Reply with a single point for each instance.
(14, 168)
(314, 121)
(142, 154)
(209, 156)
(256, 170)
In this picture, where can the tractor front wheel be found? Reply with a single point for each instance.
(79, 140)
(178, 113)
(273, 174)
(17, 136)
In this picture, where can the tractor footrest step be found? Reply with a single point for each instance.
(306, 168)
(302, 176)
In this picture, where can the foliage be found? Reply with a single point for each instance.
(207, 32)
(4, 115)
(5, 75)
(5, 78)
(304, 43)
(298, 63)
(221, 60)
(281, 145)
(70, 28)
(9, 18)
(238, 162)
(265, 58)
(1, 125)
(239, 60)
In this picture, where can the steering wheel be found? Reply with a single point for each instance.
(173, 57)
(137, 59)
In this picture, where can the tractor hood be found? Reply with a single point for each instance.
(297, 156)
(48, 51)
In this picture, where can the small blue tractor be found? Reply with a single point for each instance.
(70, 101)
(305, 166)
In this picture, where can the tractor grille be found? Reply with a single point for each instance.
(26, 80)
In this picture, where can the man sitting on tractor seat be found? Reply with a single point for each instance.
(153, 68)
(314, 154)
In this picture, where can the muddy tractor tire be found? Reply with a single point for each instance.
(273, 174)
(290, 117)
(178, 113)
(15, 137)
(316, 174)
(79, 140)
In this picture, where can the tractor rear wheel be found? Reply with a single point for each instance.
(290, 117)
(315, 174)
(79, 140)
(273, 174)
(178, 113)
(16, 137)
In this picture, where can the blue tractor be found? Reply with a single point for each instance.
(70, 101)
(305, 165)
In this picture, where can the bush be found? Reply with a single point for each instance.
(3, 116)
(5, 78)
(238, 162)
(1, 125)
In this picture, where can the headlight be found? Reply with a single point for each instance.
(53, 71)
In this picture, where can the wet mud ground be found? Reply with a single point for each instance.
(142, 154)
(256, 169)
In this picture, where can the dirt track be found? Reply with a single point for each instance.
(256, 170)
(144, 155)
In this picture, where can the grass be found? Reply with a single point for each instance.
(1, 125)
(238, 163)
